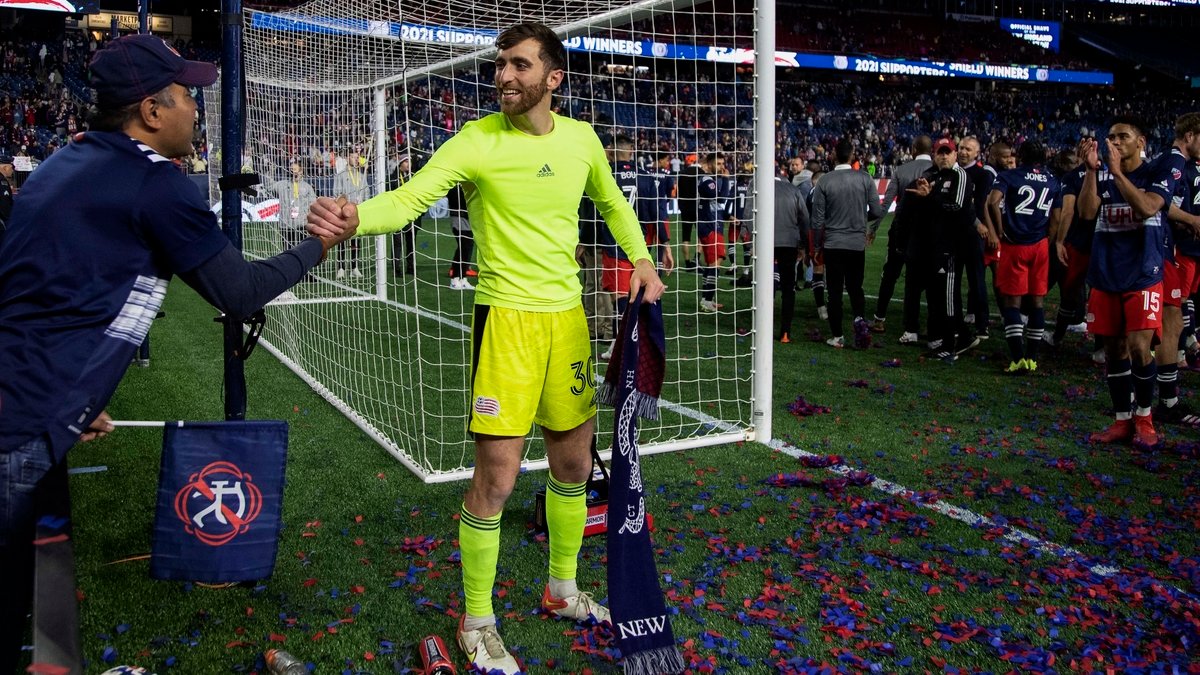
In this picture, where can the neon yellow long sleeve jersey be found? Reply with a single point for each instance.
(523, 196)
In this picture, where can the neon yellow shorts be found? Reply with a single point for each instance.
(530, 367)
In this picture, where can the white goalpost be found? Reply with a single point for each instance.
(340, 93)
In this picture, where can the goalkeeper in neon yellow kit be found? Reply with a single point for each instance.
(523, 172)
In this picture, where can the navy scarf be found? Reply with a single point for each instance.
(633, 383)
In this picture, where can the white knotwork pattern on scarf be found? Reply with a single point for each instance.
(635, 516)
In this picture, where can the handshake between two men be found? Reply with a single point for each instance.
(332, 221)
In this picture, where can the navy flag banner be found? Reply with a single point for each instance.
(220, 498)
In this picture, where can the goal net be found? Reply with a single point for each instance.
(345, 96)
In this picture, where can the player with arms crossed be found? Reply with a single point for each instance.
(710, 216)
(654, 210)
(1129, 198)
(523, 172)
(1073, 246)
(1034, 200)
(1180, 271)
(617, 270)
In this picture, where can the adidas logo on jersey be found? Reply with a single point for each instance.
(1152, 316)
(545, 172)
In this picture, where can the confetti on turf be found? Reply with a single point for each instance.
(761, 575)
(862, 334)
(802, 408)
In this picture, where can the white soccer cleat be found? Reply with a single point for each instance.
(823, 313)
(355, 273)
(341, 274)
(909, 338)
(464, 284)
(485, 650)
(580, 607)
(710, 305)
(454, 284)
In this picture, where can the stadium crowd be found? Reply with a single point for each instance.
(44, 94)
(1067, 188)
(892, 35)
(694, 132)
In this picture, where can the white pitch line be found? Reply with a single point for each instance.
(942, 507)
(1012, 534)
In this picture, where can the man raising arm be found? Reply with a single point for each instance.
(97, 234)
(523, 172)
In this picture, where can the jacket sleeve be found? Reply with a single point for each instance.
(453, 163)
(818, 215)
(875, 209)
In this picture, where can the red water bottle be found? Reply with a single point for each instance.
(434, 657)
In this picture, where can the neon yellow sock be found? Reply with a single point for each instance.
(566, 513)
(479, 547)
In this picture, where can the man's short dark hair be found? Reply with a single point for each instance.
(1064, 162)
(1129, 120)
(844, 151)
(116, 119)
(713, 156)
(623, 141)
(1188, 123)
(1031, 153)
(922, 145)
(552, 52)
(998, 148)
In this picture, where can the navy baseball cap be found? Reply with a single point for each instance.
(133, 67)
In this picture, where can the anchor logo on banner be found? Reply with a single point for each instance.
(218, 503)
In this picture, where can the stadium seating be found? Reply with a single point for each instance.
(55, 89)
(814, 111)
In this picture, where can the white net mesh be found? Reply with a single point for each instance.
(340, 93)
